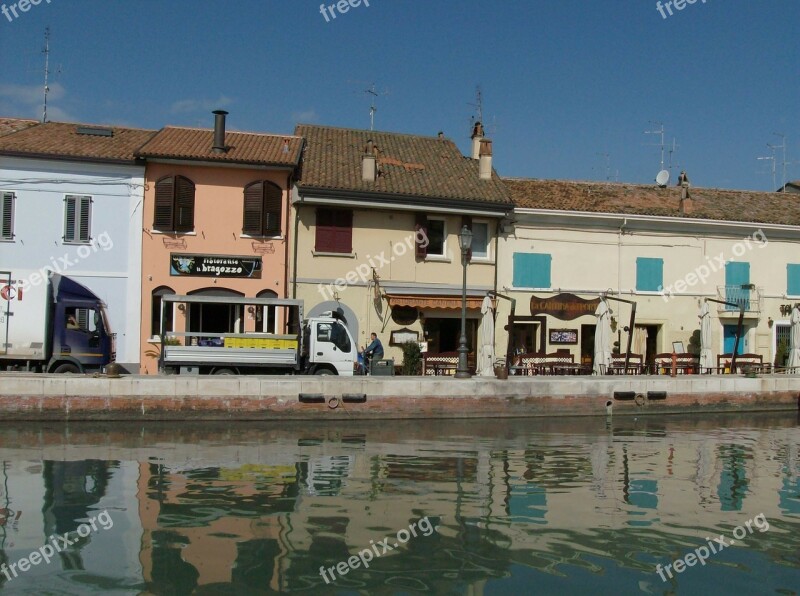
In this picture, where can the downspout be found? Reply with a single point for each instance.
(294, 247)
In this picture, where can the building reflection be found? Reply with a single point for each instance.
(258, 510)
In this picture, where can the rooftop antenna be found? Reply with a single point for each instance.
(373, 108)
(660, 131)
(772, 159)
(46, 53)
(784, 163)
(478, 105)
(608, 164)
(674, 149)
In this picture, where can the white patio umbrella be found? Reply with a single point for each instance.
(602, 338)
(794, 341)
(485, 364)
(706, 356)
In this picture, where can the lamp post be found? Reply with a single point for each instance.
(462, 370)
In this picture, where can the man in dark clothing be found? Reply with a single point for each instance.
(374, 351)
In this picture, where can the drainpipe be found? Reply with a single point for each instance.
(295, 243)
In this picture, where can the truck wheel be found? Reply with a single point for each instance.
(69, 369)
(224, 371)
(323, 371)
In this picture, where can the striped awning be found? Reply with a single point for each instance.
(434, 302)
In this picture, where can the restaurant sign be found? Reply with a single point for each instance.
(563, 306)
(214, 266)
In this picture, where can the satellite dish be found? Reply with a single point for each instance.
(663, 178)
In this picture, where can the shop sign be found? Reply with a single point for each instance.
(214, 266)
(563, 306)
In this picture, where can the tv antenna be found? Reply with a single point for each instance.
(372, 107)
(478, 115)
(46, 53)
(607, 157)
(660, 131)
(770, 158)
(673, 149)
(784, 163)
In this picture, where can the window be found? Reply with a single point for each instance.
(334, 231)
(737, 280)
(7, 216)
(174, 208)
(649, 274)
(436, 231)
(157, 315)
(262, 209)
(334, 333)
(266, 316)
(77, 218)
(480, 240)
(532, 270)
(793, 280)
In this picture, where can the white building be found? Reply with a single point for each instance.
(71, 201)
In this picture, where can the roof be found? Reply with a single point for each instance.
(10, 125)
(62, 140)
(195, 144)
(410, 165)
(636, 199)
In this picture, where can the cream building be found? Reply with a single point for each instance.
(657, 247)
(376, 221)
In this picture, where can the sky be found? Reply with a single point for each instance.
(568, 87)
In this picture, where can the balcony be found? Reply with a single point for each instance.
(748, 295)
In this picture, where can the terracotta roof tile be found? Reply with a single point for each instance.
(410, 165)
(243, 148)
(62, 140)
(11, 125)
(634, 199)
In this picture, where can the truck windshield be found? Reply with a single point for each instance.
(334, 333)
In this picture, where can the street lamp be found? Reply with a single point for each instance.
(462, 370)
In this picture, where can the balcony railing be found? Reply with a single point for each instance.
(748, 295)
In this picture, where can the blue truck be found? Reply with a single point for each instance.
(51, 323)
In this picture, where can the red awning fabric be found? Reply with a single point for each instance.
(434, 302)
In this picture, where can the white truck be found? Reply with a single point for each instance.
(52, 324)
(318, 346)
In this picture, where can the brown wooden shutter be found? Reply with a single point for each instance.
(421, 229)
(184, 204)
(273, 203)
(324, 231)
(466, 220)
(165, 194)
(69, 219)
(253, 209)
(7, 208)
(343, 238)
(334, 231)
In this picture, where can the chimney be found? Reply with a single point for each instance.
(219, 132)
(369, 165)
(477, 137)
(485, 164)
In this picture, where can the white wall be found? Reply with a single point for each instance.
(112, 266)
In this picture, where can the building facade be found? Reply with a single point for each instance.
(377, 217)
(667, 249)
(215, 223)
(72, 203)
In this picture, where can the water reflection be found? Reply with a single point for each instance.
(567, 506)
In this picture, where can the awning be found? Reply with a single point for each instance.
(431, 302)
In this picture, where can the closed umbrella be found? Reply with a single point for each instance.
(794, 340)
(602, 338)
(485, 364)
(706, 356)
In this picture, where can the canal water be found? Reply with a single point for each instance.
(566, 506)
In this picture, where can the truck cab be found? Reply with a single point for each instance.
(331, 348)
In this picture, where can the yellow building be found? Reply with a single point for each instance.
(376, 221)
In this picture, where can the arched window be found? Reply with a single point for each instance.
(263, 203)
(157, 314)
(174, 208)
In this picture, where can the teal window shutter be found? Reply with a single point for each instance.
(793, 280)
(649, 274)
(532, 270)
(737, 275)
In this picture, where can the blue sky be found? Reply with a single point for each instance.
(564, 81)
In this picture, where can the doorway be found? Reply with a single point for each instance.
(729, 338)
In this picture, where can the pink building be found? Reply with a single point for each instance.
(215, 223)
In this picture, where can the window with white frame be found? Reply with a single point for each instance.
(7, 215)
(480, 240)
(436, 230)
(77, 218)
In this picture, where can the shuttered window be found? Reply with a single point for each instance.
(7, 215)
(174, 208)
(77, 218)
(334, 231)
(532, 270)
(649, 274)
(793, 280)
(263, 201)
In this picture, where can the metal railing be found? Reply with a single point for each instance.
(748, 295)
